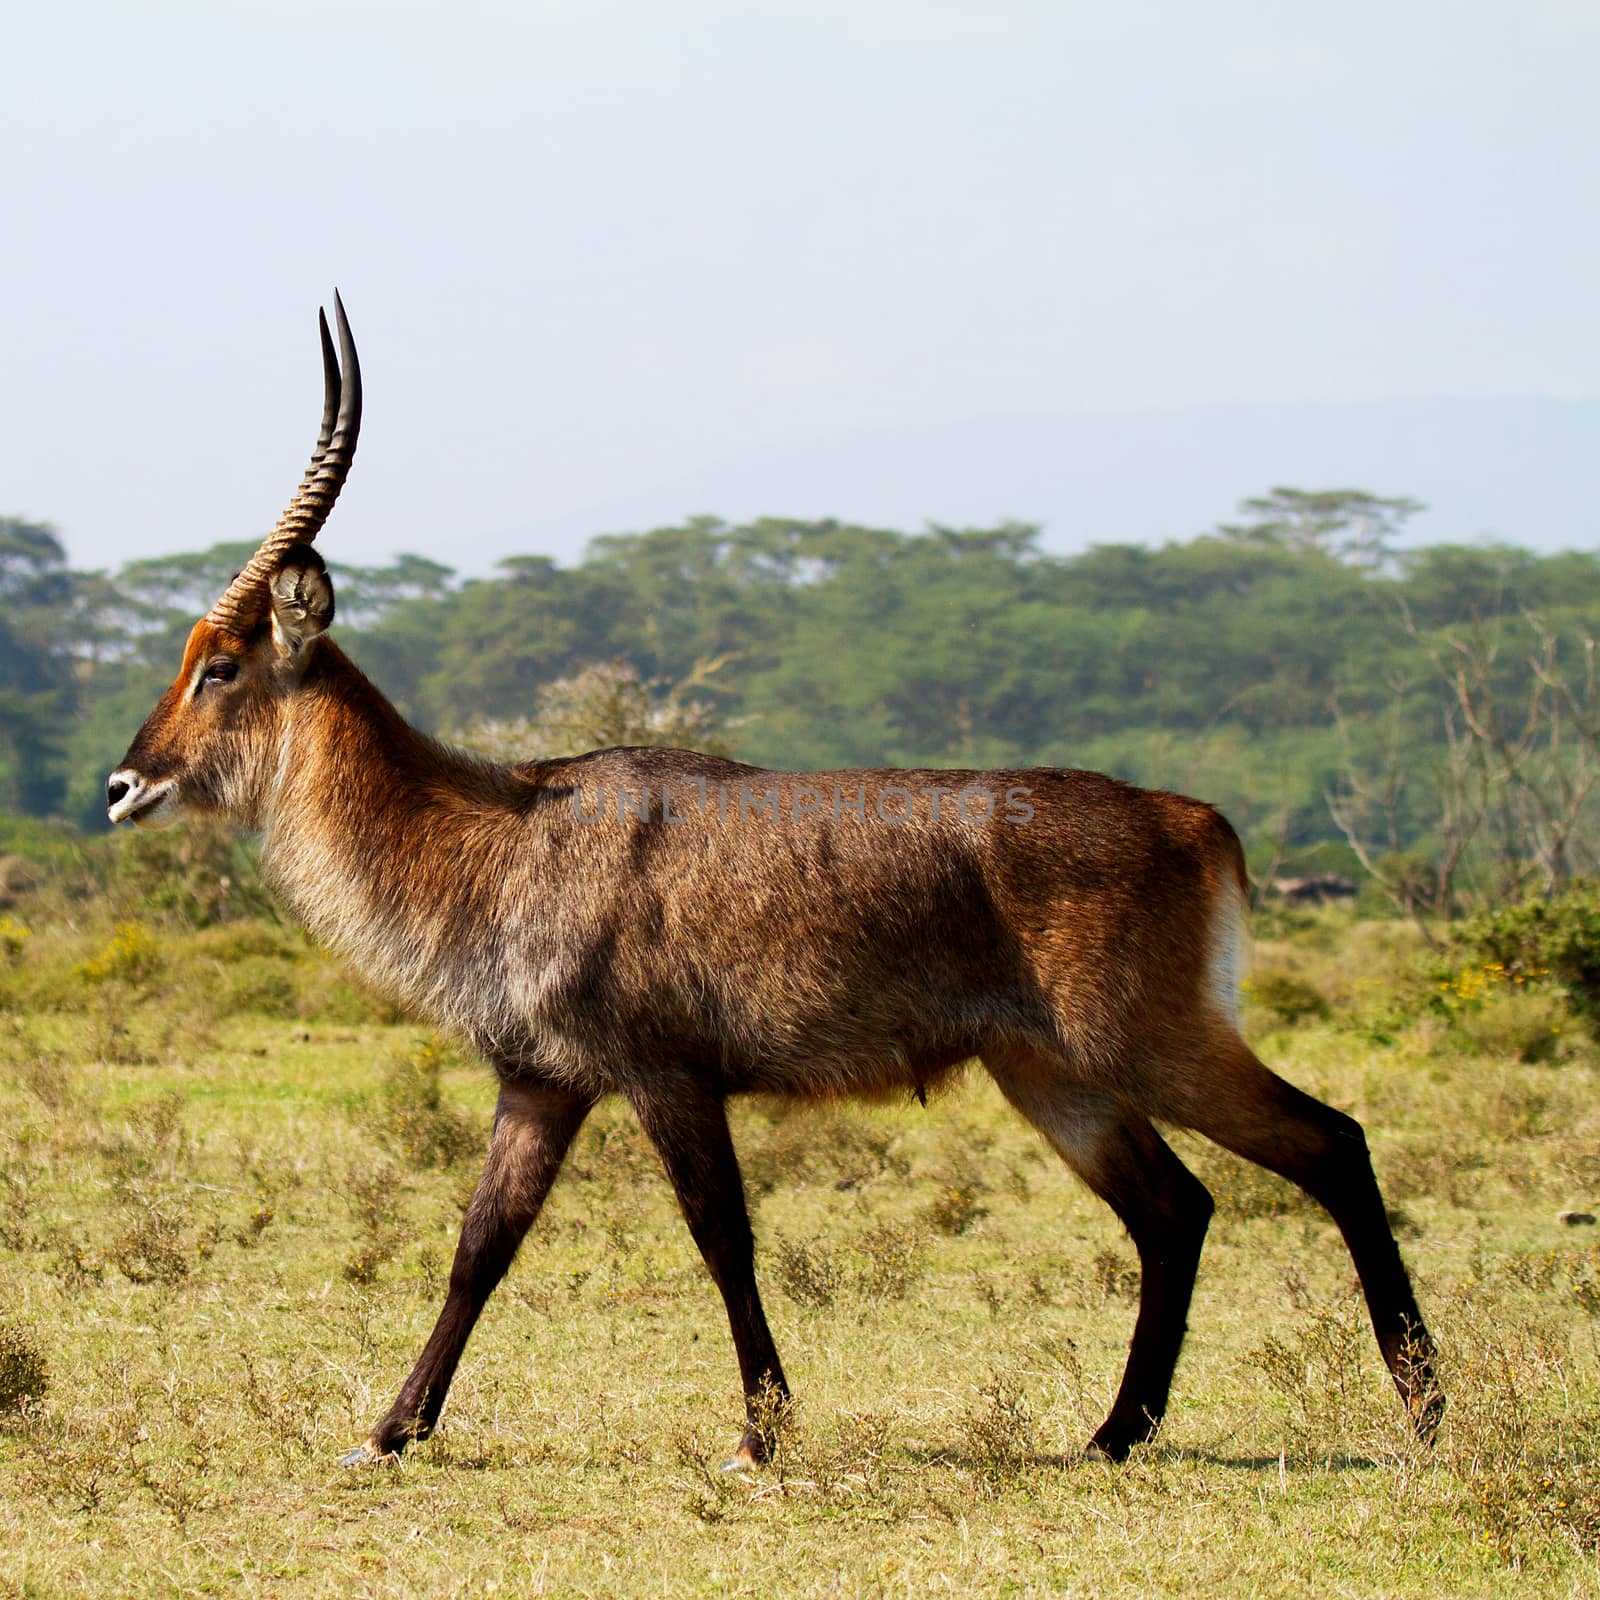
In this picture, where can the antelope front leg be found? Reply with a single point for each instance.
(533, 1127)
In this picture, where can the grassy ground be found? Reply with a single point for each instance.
(229, 1187)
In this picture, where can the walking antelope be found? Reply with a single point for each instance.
(677, 929)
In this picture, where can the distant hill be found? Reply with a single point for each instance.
(1523, 470)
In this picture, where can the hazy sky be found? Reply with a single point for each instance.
(587, 247)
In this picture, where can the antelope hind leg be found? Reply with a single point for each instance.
(1164, 1207)
(1227, 1094)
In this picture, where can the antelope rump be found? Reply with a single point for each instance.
(676, 929)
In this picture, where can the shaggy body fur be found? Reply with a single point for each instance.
(719, 929)
(677, 928)
(541, 913)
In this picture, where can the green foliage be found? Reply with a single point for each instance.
(1554, 940)
(1519, 1024)
(131, 956)
(1286, 996)
(197, 874)
(1348, 524)
(36, 679)
(1210, 666)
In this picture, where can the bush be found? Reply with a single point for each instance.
(1524, 1027)
(785, 1146)
(371, 1193)
(998, 1434)
(259, 986)
(955, 1207)
(23, 1374)
(199, 874)
(1289, 998)
(193, 876)
(608, 703)
(243, 941)
(132, 956)
(808, 1272)
(891, 1260)
(1240, 1188)
(154, 1248)
(413, 1119)
(1413, 880)
(1556, 940)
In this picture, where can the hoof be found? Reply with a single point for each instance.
(1114, 1444)
(364, 1455)
(742, 1460)
(1427, 1412)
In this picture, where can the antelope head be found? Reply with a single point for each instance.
(211, 743)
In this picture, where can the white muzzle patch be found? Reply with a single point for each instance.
(146, 805)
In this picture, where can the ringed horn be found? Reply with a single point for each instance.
(242, 606)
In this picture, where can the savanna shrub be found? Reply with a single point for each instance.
(259, 986)
(131, 956)
(263, 968)
(1287, 996)
(1520, 1025)
(414, 1121)
(808, 1272)
(23, 1374)
(1554, 940)
(197, 875)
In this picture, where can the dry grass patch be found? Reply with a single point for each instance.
(190, 1350)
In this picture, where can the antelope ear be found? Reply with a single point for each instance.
(302, 601)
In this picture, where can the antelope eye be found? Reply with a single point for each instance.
(222, 670)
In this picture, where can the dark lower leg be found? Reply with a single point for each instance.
(1165, 1209)
(1259, 1116)
(534, 1126)
(1348, 1190)
(691, 1134)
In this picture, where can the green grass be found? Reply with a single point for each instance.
(224, 1234)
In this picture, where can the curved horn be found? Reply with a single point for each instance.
(240, 608)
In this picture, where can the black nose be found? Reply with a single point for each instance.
(115, 789)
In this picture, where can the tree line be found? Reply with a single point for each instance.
(1337, 695)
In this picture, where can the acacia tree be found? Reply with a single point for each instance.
(1350, 525)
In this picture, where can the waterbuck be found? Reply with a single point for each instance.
(676, 929)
